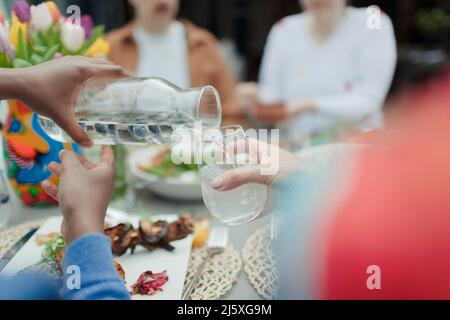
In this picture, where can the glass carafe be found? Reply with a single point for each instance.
(139, 111)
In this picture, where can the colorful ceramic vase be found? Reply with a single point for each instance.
(28, 151)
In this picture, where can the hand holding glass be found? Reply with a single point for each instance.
(237, 206)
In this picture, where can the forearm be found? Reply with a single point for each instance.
(350, 107)
(12, 83)
(90, 259)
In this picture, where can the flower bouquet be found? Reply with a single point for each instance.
(33, 35)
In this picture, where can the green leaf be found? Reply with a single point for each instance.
(84, 48)
(35, 40)
(22, 49)
(39, 49)
(54, 36)
(3, 61)
(97, 32)
(80, 52)
(167, 160)
(51, 52)
(52, 249)
(36, 59)
(41, 39)
(157, 171)
(65, 52)
(20, 63)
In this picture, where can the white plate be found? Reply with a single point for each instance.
(172, 188)
(159, 260)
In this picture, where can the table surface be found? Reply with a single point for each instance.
(144, 203)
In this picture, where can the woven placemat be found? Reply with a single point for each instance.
(10, 236)
(219, 275)
(261, 263)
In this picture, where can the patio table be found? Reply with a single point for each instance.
(148, 204)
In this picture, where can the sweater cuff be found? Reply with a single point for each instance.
(90, 255)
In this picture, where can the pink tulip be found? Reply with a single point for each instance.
(88, 24)
(21, 9)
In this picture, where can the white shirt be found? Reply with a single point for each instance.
(164, 55)
(348, 76)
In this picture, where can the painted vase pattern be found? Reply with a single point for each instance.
(28, 152)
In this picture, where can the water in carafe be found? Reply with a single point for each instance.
(139, 111)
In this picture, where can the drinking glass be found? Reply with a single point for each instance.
(220, 155)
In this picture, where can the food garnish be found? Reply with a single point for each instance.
(149, 235)
(162, 166)
(42, 239)
(119, 269)
(149, 283)
(54, 249)
(201, 233)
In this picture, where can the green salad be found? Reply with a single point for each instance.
(161, 165)
(53, 248)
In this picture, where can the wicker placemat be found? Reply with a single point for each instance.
(10, 236)
(261, 263)
(219, 275)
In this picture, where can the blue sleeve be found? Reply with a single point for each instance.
(300, 198)
(89, 272)
(32, 286)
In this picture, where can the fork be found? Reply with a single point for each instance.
(217, 242)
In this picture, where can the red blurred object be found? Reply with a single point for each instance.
(397, 215)
(28, 199)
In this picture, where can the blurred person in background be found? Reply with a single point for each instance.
(155, 44)
(324, 67)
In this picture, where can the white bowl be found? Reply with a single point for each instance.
(171, 188)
